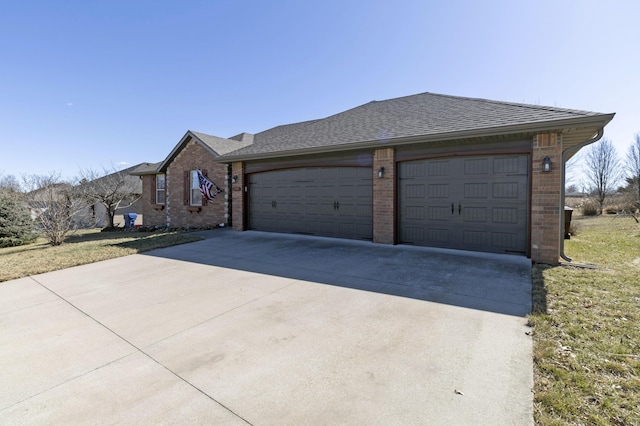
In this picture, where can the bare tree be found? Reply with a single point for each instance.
(10, 183)
(633, 170)
(54, 206)
(602, 170)
(111, 189)
(572, 172)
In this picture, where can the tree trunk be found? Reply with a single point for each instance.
(111, 215)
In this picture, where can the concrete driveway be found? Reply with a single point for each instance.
(269, 329)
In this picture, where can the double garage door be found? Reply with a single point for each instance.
(324, 201)
(470, 203)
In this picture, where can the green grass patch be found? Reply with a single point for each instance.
(84, 247)
(586, 328)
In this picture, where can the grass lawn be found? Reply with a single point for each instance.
(586, 328)
(86, 246)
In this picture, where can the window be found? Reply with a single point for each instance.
(160, 194)
(196, 196)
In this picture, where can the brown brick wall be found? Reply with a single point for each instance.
(546, 208)
(180, 215)
(152, 214)
(384, 205)
(237, 197)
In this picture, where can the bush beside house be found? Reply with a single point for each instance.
(16, 226)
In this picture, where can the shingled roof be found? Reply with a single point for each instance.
(145, 169)
(214, 144)
(417, 118)
(221, 146)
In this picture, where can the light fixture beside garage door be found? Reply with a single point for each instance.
(546, 164)
(380, 172)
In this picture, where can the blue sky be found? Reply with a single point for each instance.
(100, 84)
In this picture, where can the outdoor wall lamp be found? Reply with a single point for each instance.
(546, 164)
(380, 172)
(234, 178)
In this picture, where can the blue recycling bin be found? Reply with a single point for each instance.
(130, 220)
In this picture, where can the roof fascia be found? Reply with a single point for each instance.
(147, 173)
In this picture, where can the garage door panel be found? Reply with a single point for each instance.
(506, 190)
(439, 190)
(364, 210)
(476, 166)
(507, 165)
(413, 213)
(475, 238)
(473, 203)
(412, 234)
(438, 236)
(415, 191)
(475, 215)
(476, 190)
(508, 241)
(281, 191)
(439, 213)
(412, 170)
(295, 208)
(325, 201)
(438, 168)
(506, 215)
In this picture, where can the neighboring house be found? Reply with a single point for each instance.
(426, 169)
(121, 189)
(40, 199)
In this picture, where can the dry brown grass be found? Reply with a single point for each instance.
(86, 246)
(586, 328)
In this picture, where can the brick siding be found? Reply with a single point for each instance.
(152, 213)
(237, 197)
(384, 204)
(546, 208)
(211, 213)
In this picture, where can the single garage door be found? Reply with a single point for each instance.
(469, 203)
(324, 201)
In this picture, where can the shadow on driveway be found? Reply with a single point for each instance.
(489, 282)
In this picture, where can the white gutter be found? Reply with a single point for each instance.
(566, 152)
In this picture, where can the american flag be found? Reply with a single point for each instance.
(209, 189)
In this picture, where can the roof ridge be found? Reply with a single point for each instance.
(291, 124)
(198, 134)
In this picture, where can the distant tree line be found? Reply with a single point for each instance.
(607, 175)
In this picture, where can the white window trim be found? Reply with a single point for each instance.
(194, 185)
(161, 190)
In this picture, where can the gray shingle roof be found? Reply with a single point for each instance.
(128, 175)
(145, 169)
(220, 145)
(424, 114)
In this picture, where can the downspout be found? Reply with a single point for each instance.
(565, 153)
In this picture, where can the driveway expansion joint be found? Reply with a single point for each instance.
(136, 348)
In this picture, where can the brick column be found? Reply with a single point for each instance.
(546, 208)
(238, 196)
(384, 200)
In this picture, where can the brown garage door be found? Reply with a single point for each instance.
(325, 201)
(470, 203)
